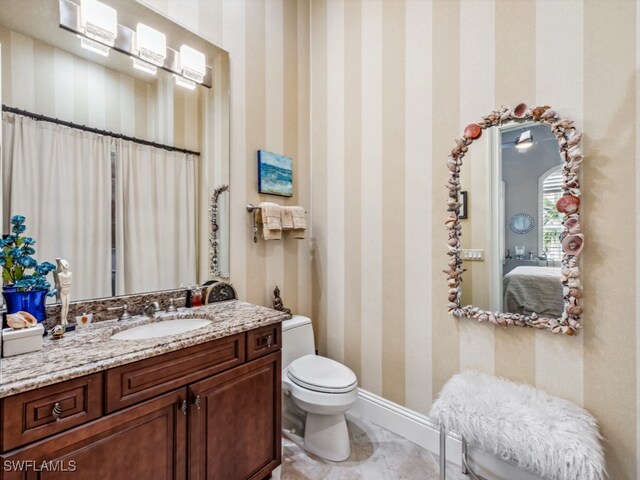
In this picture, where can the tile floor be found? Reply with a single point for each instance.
(376, 454)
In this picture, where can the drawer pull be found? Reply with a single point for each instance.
(268, 340)
(184, 407)
(197, 402)
(56, 411)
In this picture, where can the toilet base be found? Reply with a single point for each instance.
(327, 436)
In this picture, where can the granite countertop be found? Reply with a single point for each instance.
(90, 349)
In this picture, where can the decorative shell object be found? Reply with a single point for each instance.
(573, 244)
(57, 332)
(568, 204)
(520, 110)
(21, 320)
(472, 131)
(573, 224)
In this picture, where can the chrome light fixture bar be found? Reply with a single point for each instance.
(125, 41)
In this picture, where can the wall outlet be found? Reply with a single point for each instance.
(473, 254)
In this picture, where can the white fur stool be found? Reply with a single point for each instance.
(545, 435)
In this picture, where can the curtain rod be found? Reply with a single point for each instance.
(44, 118)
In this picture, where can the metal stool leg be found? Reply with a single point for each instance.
(443, 453)
(464, 456)
(466, 469)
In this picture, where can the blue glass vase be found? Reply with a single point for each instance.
(33, 301)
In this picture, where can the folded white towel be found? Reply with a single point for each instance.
(299, 222)
(286, 217)
(271, 224)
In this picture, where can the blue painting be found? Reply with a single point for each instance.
(275, 174)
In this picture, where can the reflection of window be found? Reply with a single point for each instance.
(551, 218)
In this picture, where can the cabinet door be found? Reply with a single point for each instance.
(234, 423)
(147, 441)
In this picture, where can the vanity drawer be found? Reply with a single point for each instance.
(135, 382)
(36, 414)
(264, 340)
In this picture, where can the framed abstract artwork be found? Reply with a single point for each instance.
(275, 174)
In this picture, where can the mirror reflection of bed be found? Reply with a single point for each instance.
(530, 290)
(511, 241)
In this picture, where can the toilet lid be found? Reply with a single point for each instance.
(321, 374)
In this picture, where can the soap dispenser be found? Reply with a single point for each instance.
(188, 298)
(196, 297)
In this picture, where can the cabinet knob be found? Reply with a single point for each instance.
(184, 407)
(56, 411)
(197, 402)
(269, 341)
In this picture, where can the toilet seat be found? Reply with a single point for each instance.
(320, 403)
(321, 374)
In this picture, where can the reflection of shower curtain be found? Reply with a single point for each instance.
(155, 218)
(59, 178)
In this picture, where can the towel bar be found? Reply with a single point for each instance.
(252, 209)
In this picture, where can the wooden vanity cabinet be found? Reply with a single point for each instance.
(234, 429)
(142, 442)
(207, 426)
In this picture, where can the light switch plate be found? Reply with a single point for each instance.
(473, 254)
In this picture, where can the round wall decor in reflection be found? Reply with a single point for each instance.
(521, 223)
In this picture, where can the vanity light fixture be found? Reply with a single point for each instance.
(525, 140)
(185, 82)
(151, 44)
(99, 21)
(96, 24)
(144, 66)
(94, 47)
(192, 63)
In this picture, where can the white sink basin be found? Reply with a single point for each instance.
(161, 329)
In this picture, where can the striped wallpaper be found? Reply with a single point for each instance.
(367, 97)
(393, 83)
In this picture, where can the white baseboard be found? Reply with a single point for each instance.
(420, 430)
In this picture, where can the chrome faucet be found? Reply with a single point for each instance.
(151, 309)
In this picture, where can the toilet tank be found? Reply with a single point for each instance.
(297, 339)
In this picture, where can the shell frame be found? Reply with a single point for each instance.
(571, 153)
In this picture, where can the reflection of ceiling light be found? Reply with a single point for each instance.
(151, 44)
(99, 21)
(144, 66)
(525, 140)
(185, 83)
(192, 63)
(94, 47)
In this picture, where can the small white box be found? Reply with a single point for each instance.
(16, 342)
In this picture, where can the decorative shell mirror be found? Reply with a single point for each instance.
(518, 243)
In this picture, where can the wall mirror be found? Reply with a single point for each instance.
(514, 221)
(129, 217)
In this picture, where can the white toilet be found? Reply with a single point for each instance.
(318, 391)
